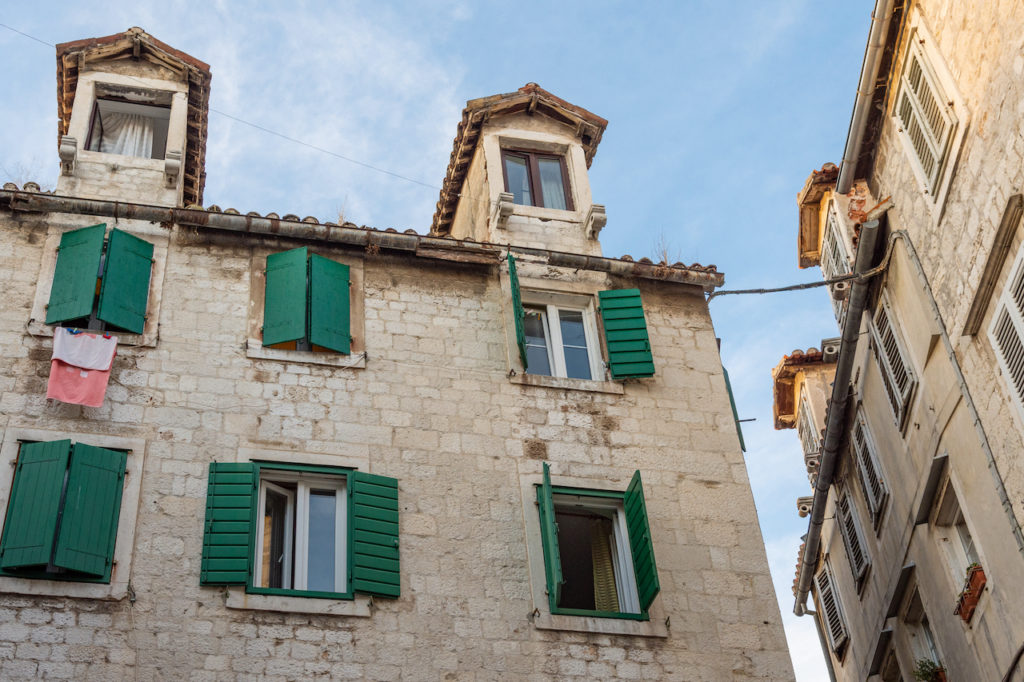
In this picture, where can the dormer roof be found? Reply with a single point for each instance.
(135, 43)
(532, 99)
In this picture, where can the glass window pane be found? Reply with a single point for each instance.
(577, 363)
(320, 564)
(551, 185)
(536, 344)
(518, 179)
(273, 559)
(573, 333)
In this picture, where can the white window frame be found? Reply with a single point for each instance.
(550, 305)
(1006, 334)
(835, 260)
(949, 520)
(887, 354)
(831, 609)
(625, 577)
(869, 468)
(299, 512)
(853, 537)
(810, 440)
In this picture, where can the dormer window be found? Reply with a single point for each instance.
(129, 128)
(537, 179)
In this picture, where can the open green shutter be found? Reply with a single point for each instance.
(329, 305)
(124, 293)
(549, 540)
(647, 585)
(284, 306)
(32, 511)
(230, 498)
(625, 334)
(74, 278)
(517, 309)
(373, 535)
(92, 504)
(735, 413)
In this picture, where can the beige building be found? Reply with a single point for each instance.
(331, 451)
(913, 555)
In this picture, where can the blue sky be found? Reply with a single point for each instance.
(717, 113)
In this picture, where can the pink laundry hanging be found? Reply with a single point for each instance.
(70, 384)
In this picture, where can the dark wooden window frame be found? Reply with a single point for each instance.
(533, 174)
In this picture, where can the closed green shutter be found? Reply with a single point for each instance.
(329, 305)
(124, 293)
(549, 540)
(647, 585)
(735, 413)
(373, 535)
(517, 309)
(92, 504)
(34, 506)
(625, 334)
(74, 278)
(230, 499)
(284, 306)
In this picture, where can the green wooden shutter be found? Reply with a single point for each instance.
(625, 334)
(517, 309)
(284, 306)
(230, 498)
(735, 413)
(124, 293)
(329, 305)
(373, 535)
(647, 585)
(549, 540)
(92, 505)
(34, 506)
(74, 278)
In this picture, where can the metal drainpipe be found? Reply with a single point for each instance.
(865, 90)
(837, 410)
(1004, 498)
(824, 645)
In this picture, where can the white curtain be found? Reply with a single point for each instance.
(128, 134)
(551, 183)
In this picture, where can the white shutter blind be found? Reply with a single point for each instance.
(834, 261)
(892, 361)
(1007, 332)
(809, 437)
(867, 465)
(852, 538)
(832, 613)
(927, 119)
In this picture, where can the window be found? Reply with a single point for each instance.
(922, 641)
(925, 115)
(891, 668)
(893, 361)
(834, 260)
(810, 436)
(301, 530)
(1007, 333)
(853, 539)
(954, 534)
(869, 469)
(62, 515)
(556, 338)
(537, 179)
(99, 282)
(830, 610)
(123, 127)
(306, 303)
(598, 554)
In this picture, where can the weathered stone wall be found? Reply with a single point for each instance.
(434, 408)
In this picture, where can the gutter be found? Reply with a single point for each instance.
(437, 248)
(865, 90)
(836, 417)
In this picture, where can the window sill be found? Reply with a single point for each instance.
(600, 625)
(237, 598)
(568, 384)
(63, 588)
(545, 213)
(254, 349)
(43, 331)
(121, 160)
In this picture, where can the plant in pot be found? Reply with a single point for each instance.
(927, 670)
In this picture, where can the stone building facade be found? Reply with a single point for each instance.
(291, 484)
(914, 554)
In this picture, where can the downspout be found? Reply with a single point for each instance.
(865, 90)
(836, 417)
(824, 646)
